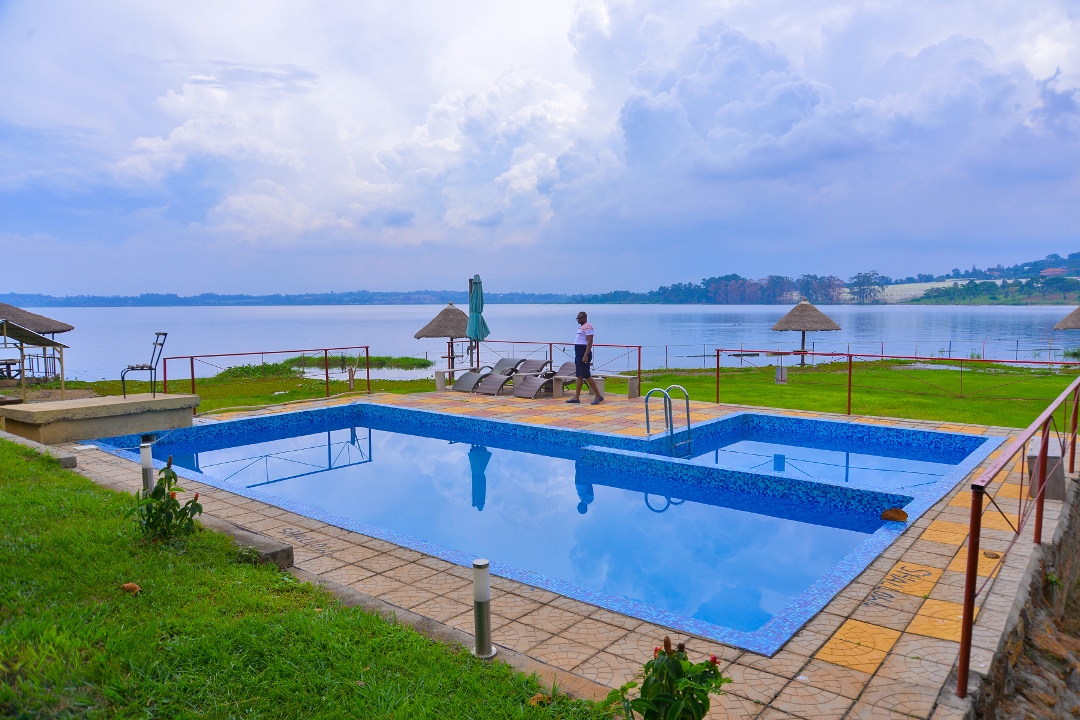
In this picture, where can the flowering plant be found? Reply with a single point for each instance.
(673, 688)
(159, 514)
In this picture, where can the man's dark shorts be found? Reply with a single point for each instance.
(581, 368)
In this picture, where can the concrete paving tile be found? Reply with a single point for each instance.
(441, 609)
(753, 684)
(635, 646)
(348, 574)
(410, 573)
(534, 593)
(784, 663)
(866, 711)
(593, 633)
(575, 606)
(612, 618)
(945, 533)
(813, 703)
(561, 653)
(834, 678)
(921, 647)
(949, 588)
(440, 583)
(907, 699)
(906, 669)
(774, 714)
(319, 564)
(607, 669)
(887, 609)
(807, 642)
(938, 619)
(859, 646)
(911, 578)
(988, 566)
(407, 597)
(376, 585)
(518, 637)
(551, 619)
(733, 707)
(381, 563)
(513, 607)
(354, 553)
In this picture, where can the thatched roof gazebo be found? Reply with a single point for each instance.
(805, 318)
(450, 323)
(32, 321)
(1070, 321)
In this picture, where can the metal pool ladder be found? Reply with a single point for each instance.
(678, 449)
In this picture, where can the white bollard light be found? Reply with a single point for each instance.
(482, 609)
(147, 459)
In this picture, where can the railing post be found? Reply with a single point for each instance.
(1072, 431)
(971, 579)
(192, 359)
(1041, 477)
(849, 383)
(639, 368)
(551, 356)
(367, 363)
(164, 376)
(961, 377)
(326, 367)
(718, 377)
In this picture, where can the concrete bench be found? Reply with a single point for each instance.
(633, 386)
(442, 372)
(60, 421)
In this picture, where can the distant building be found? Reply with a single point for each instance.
(1053, 272)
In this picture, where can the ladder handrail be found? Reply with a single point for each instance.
(667, 409)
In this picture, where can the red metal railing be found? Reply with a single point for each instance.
(1066, 437)
(262, 354)
(552, 345)
(853, 356)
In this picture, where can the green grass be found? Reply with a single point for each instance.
(209, 636)
(992, 395)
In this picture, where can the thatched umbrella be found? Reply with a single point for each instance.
(449, 323)
(1070, 321)
(32, 321)
(804, 318)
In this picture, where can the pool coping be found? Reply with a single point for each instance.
(766, 640)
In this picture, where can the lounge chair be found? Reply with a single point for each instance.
(493, 384)
(533, 385)
(469, 380)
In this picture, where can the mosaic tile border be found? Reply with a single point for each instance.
(766, 640)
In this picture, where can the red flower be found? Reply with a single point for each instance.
(656, 652)
(172, 495)
(713, 660)
(196, 497)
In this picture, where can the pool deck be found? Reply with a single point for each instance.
(885, 647)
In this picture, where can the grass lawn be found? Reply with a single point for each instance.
(209, 636)
(991, 395)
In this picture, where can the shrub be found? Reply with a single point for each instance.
(672, 688)
(159, 514)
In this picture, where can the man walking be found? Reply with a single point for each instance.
(583, 343)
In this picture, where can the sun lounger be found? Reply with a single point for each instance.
(504, 368)
(493, 385)
(530, 387)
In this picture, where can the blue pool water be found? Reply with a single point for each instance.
(734, 543)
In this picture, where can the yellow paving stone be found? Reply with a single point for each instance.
(946, 533)
(858, 645)
(992, 519)
(938, 619)
(1008, 490)
(912, 578)
(987, 565)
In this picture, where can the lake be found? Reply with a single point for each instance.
(106, 339)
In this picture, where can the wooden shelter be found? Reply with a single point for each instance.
(1070, 321)
(450, 323)
(805, 318)
(22, 337)
(43, 364)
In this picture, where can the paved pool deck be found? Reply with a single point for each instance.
(885, 647)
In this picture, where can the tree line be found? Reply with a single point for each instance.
(773, 290)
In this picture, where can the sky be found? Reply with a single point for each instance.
(262, 147)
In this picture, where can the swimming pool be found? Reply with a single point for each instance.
(726, 544)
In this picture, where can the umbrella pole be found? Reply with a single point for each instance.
(62, 373)
(450, 357)
(802, 359)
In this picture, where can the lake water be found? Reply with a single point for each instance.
(107, 339)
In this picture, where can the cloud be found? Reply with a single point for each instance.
(738, 137)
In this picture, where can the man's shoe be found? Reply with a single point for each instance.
(597, 401)
(573, 401)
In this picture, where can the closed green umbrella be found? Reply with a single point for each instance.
(477, 329)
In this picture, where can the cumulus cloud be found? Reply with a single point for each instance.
(751, 137)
